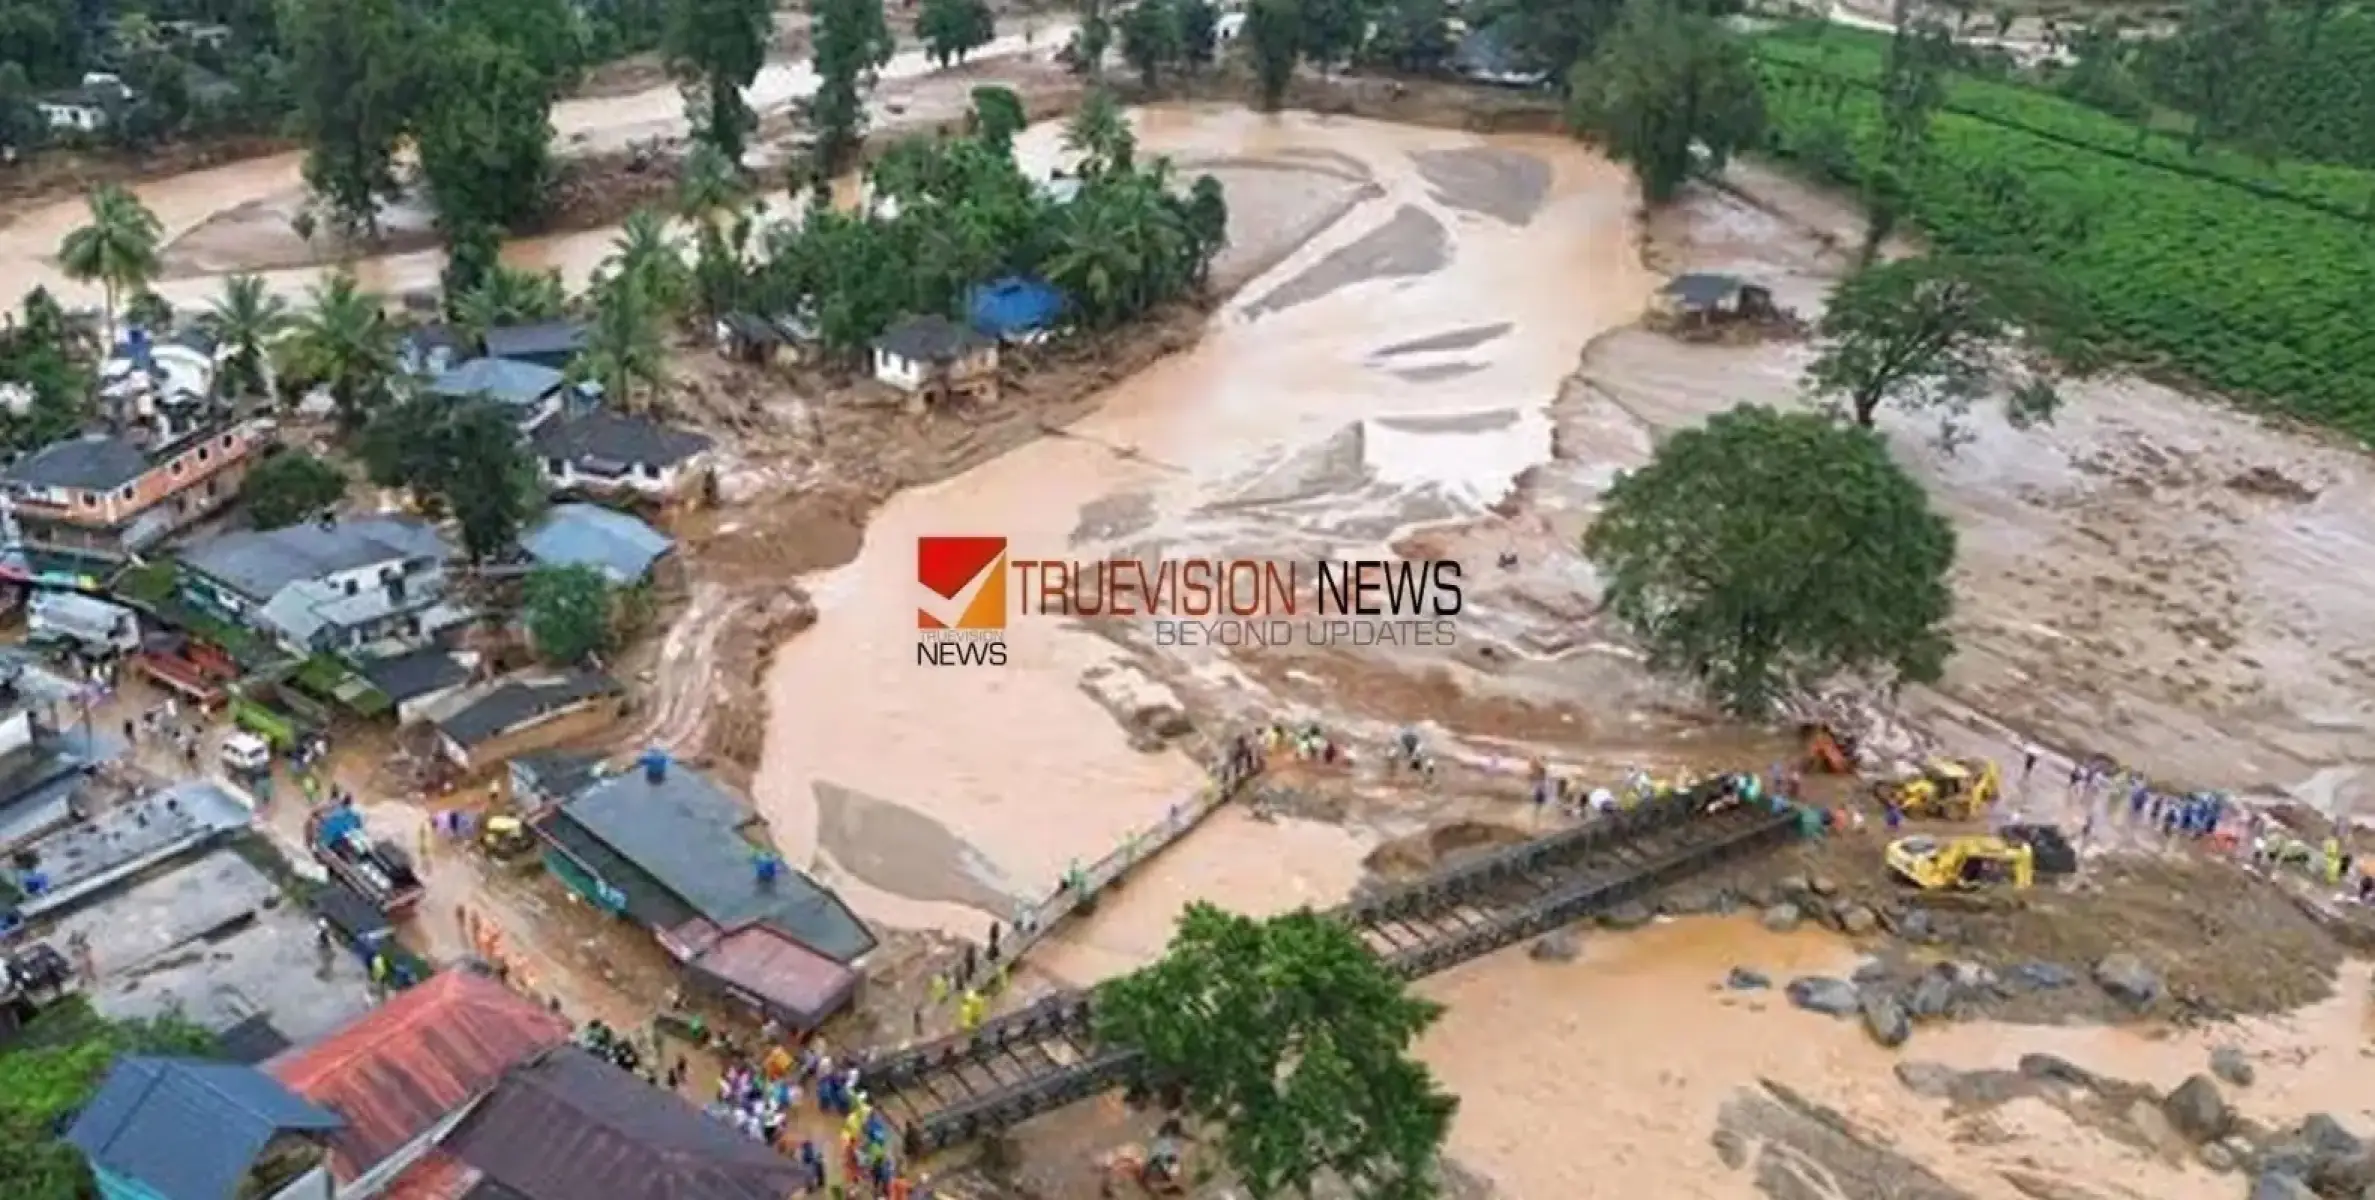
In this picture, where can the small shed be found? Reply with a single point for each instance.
(1699, 298)
(553, 344)
(1016, 308)
(745, 337)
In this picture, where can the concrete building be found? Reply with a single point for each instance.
(190, 1129)
(531, 393)
(623, 549)
(486, 726)
(372, 587)
(611, 454)
(553, 344)
(934, 358)
(108, 495)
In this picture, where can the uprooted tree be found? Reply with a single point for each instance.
(1294, 1039)
(1764, 552)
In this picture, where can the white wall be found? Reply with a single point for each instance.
(898, 372)
(642, 478)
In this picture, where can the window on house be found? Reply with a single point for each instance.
(201, 454)
(126, 493)
(210, 486)
(352, 587)
(178, 467)
(90, 499)
(556, 466)
(228, 439)
(650, 471)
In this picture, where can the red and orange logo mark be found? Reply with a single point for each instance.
(949, 565)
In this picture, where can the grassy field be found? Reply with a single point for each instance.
(2246, 276)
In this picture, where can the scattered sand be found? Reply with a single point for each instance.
(1503, 184)
(897, 849)
(1409, 244)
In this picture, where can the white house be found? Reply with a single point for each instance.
(85, 109)
(932, 356)
(607, 452)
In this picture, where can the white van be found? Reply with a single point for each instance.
(87, 623)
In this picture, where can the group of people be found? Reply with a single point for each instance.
(762, 1098)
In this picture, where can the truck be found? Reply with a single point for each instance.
(379, 871)
(88, 624)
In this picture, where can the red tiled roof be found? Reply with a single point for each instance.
(433, 1176)
(422, 1055)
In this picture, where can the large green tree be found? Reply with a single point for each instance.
(243, 321)
(118, 249)
(714, 49)
(1274, 37)
(357, 83)
(1764, 552)
(1666, 86)
(952, 29)
(1152, 39)
(1295, 1040)
(624, 351)
(509, 296)
(50, 1071)
(568, 611)
(484, 134)
(1938, 333)
(290, 487)
(463, 457)
(343, 342)
(851, 41)
(36, 352)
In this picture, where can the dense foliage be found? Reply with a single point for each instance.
(51, 1070)
(2228, 282)
(1296, 1039)
(1668, 87)
(465, 458)
(2303, 77)
(35, 355)
(289, 487)
(1763, 552)
(567, 608)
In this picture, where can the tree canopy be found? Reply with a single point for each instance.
(465, 457)
(715, 49)
(1296, 1040)
(1666, 86)
(289, 487)
(1764, 552)
(1936, 333)
(568, 611)
(118, 248)
(53, 1069)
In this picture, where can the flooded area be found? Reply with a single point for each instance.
(1212, 449)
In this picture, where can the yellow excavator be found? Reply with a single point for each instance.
(1956, 789)
(1960, 863)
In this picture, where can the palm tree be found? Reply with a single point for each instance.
(509, 296)
(118, 250)
(623, 348)
(708, 184)
(1095, 261)
(1101, 136)
(346, 344)
(647, 250)
(242, 321)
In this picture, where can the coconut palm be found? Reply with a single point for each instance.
(647, 250)
(344, 343)
(509, 296)
(242, 321)
(118, 250)
(623, 347)
(1101, 135)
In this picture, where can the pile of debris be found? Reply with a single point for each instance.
(1885, 743)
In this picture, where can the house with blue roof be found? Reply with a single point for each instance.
(1015, 308)
(623, 548)
(531, 393)
(191, 1129)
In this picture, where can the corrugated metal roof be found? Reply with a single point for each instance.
(185, 1127)
(435, 1175)
(505, 381)
(259, 563)
(571, 1125)
(425, 1053)
(684, 831)
(762, 961)
(619, 546)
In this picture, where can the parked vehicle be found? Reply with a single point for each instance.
(379, 871)
(84, 623)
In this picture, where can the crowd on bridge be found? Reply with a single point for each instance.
(788, 1094)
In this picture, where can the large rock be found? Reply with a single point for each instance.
(1929, 1079)
(2056, 1068)
(2329, 1136)
(2197, 1110)
(1856, 920)
(1629, 915)
(1782, 918)
(2228, 1063)
(2285, 1156)
(2268, 1185)
(1558, 946)
(2041, 976)
(1744, 980)
(2125, 977)
(1823, 994)
(2217, 1157)
(1147, 709)
(1884, 1018)
(1931, 997)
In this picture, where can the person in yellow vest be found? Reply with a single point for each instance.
(2333, 849)
(938, 989)
(969, 1011)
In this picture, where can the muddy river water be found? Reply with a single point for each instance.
(1411, 300)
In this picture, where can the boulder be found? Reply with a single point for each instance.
(2216, 1156)
(2055, 1068)
(1730, 1148)
(2152, 1125)
(1884, 1018)
(1793, 887)
(1856, 920)
(1688, 902)
(1823, 994)
(2269, 1185)
(1914, 924)
(2343, 1174)
(1558, 946)
(1932, 997)
(2125, 977)
(2328, 1136)
(1782, 918)
(1146, 708)
(1823, 885)
(2228, 1063)
(1872, 971)
(1744, 980)
(1629, 915)
(2285, 1156)
(1932, 1080)
(2041, 976)
(2197, 1110)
